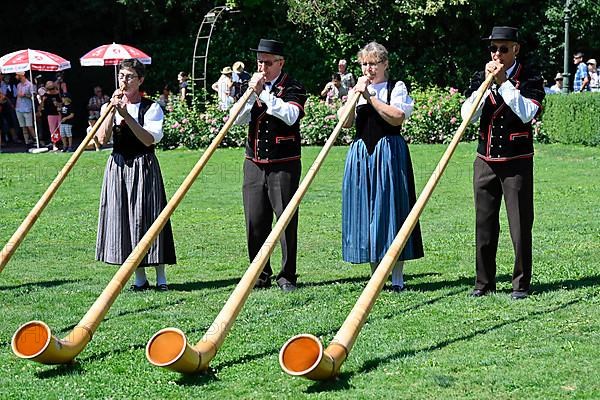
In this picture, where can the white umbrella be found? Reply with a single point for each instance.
(36, 60)
(113, 54)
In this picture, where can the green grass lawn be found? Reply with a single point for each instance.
(430, 342)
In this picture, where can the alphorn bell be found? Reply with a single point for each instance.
(303, 355)
(34, 340)
(169, 347)
(17, 237)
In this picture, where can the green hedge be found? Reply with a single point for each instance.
(435, 119)
(571, 119)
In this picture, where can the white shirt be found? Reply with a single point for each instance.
(153, 119)
(523, 107)
(287, 112)
(399, 98)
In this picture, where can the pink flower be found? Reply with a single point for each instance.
(453, 91)
(453, 120)
(225, 118)
(175, 125)
(185, 121)
(429, 113)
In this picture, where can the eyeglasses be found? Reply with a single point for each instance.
(502, 49)
(127, 77)
(370, 64)
(268, 63)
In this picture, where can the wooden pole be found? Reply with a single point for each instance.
(34, 340)
(169, 348)
(303, 355)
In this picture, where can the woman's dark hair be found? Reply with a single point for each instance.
(336, 76)
(134, 64)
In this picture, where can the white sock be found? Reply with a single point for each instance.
(397, 274)
(161, 276)
(140, 276)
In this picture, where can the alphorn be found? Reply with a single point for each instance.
(303, 355)
(169, 347)
(16, 239)
(34, 340)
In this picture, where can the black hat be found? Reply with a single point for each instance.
(504, 33)
(270, 46)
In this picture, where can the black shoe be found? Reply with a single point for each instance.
(519, 294)
(145, 286)
(479, 292)
(162, 287)
(285, 285)
(263, 283)
(398, 288)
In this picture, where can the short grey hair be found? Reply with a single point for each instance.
(373, 50)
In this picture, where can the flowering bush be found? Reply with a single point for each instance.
(195, 126)
(435, 119)
(436, 116)
(319, 122)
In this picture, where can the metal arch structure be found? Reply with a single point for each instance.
(202, 45)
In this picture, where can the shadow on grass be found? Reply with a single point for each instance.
(64, 330)
(199, 379)
(362, 279)
(569, 284)
(192, 286)
(377, 362)
(341, 382)
(101, 356)
(43, 284)
(73, 368)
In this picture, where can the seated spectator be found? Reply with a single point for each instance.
(164, 97)
(96, 102)
(333, 90)
(94, 143)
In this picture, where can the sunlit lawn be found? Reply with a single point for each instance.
(430, 342)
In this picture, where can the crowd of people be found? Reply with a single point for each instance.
(585, 79)
(41, 114)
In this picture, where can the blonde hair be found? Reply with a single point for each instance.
(373, 50)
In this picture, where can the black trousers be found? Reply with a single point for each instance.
(267, 189)
(514, 180)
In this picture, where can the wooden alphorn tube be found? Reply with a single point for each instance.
(303, 355)
(17, 237)
(169, 348)
(34, 340)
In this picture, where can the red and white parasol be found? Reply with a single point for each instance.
(113, 54)
(33, 60)
(28, 59)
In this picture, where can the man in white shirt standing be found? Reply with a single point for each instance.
(272, 167)
(504, 163)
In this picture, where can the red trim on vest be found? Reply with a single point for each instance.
(267, 161)
(279, 139)
(500, 159)
(512, 136)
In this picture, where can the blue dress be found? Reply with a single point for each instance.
(378, 189)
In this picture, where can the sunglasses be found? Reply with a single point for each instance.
(502, 49)
(268, 63)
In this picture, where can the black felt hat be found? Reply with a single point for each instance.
(503, 33)
(270, 46)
